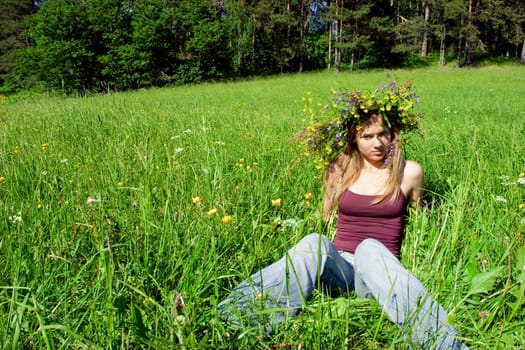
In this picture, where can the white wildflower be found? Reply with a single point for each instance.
(187, 131)
(174, 137)
(292, 223)
(92, 200)
(219, 143)
(178, 150)
(16, 218)
(500, 199)
(521, 180)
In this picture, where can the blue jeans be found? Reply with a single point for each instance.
(280, 290)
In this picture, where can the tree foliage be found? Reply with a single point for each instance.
(12, 14)
(78, 45)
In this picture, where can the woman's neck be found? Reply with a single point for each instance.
(371, 180)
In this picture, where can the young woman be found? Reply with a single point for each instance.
(370, 185)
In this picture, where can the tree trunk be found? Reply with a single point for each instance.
(253, 45)
(460, 42)
(468, 46)
(339, 32)
(442, 46)
(304, 22)
(424, 45)
(330, 45)
(522, 59)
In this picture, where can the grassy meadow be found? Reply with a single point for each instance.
(113, 205)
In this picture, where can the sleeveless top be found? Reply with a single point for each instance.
(360, 219)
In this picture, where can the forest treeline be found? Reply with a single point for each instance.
(98, 45)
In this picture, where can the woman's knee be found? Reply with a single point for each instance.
(369, 247)
(314, 241)
(370, 252)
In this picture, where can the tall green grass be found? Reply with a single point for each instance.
(106, 212)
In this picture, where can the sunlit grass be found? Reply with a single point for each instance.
(111, 203)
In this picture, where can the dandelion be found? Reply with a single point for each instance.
(39, 203)
(522, 206)
(45, 145)
(500, 199)
(308, 196)
(17, 150)
(120, 183)
(213, 211)
(240, 163)
(227, 219)
(2, 179)
(276, 202)
(196, 200)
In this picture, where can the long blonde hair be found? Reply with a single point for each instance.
(346, 168)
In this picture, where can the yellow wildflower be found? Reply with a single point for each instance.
(308, 196)
(45, 145)
(196, 200)
(276, 202)
(2, 179)
(213, 211)
(227, 219)
(120, 183)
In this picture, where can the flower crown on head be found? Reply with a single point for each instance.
(326, 134)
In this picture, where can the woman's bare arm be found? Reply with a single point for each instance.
(413, 181)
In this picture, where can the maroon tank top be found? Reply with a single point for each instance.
(360, 219)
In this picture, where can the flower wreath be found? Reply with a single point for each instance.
(325, 135)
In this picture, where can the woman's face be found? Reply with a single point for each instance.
(373, 141)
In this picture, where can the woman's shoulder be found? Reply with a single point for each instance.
(412, 169)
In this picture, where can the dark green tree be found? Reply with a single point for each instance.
(205, 52)
(138, 42)
(12, 14)
(59, 55)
